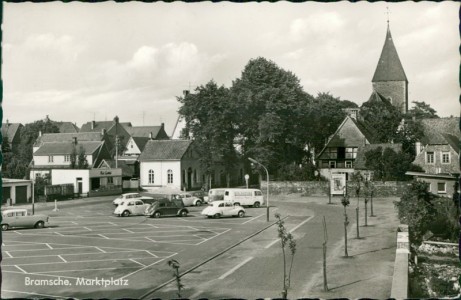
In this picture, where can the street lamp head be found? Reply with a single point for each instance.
(253, 160)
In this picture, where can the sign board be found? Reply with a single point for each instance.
(337, 184)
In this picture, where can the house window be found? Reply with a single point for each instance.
(170, 176)
(66, 158)
(351, 153)
(151, 176)
(445, 157)
(348, 164)
(110, 180)
(50, 158)
(429, 157)
(441, 187)
(332, 164)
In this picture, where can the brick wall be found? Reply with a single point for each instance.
(320, 188)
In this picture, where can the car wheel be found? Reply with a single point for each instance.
(183, 213)
(4, 227)
(217, 216)
(198, 203)
(126, 213)
(241, 214)
(256, 204)
(237, 203)
(39, 224)
(157, 214)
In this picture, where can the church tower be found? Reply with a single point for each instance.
(389, 79)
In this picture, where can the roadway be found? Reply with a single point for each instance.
(219, 258)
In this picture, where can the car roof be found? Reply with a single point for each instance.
(129, 194)
(13, 210)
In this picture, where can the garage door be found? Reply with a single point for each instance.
(21, 194)
(6, 193)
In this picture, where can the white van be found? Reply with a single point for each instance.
(251, 197)
(215, 194)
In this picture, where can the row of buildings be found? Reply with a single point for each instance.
(147, 157)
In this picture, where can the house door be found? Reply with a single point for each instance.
(189, 179)
(79, 185)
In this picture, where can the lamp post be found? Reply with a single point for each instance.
(267, 178)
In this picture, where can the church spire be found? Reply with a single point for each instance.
(389, 66)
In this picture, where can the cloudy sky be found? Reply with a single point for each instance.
(78, 62)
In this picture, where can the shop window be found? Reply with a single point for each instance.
(151, 176)
(429, 157)
(170, 176)
(441, 187)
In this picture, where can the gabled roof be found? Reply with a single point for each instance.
(10, 130)
(360, 160)
(375, 96)
(67, 127)
(93, 126)
(158, 132)
(64, 148)
(69, 137)
(140, 142)
(164, 150)
(349, 138)
(453, 141)
(436, 129)
(389, 67)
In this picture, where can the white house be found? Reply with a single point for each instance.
(170, 163)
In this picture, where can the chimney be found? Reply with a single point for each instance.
(185, 92)
(150, 136)
(75, 140)
(418, 148)
(103, 131)
(162, 125)
(7, 123)
(116, 119)
(39, 133)
(93, 124)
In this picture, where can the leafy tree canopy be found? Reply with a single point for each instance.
(422, 110)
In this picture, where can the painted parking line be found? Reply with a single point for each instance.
(35, 294)
(291, 230)
(252, 219)
(235, 268)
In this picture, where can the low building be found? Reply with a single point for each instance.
(90, 182)
(16, 191)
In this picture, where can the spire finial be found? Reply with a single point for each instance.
(387, 12)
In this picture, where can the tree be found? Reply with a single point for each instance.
(383, 117)
(409, 132)
(388, 165)
(422, 110)
(82, 162)
(286, 238)
(270, 106)
(416, 209)
(345, 202)
(357, 180)
(174, 264)
(210, 118)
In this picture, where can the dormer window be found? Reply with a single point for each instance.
(445, 157)
(430, 158)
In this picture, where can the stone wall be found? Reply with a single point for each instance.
(320, 188)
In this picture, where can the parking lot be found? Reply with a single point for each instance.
(87, 243)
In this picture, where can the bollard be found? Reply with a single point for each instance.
(55, 205)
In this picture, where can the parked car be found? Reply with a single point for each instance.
(215, 194)
(19, 217)
(188, 199)
(131, 207)
(166, 207)
(131, 196)
(219, 208)
(250, 197)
